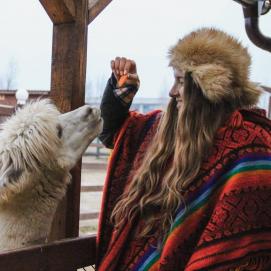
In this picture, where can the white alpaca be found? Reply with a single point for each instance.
(38, 147)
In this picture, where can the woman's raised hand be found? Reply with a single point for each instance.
(124, 69)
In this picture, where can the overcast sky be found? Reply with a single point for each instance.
(141, 29)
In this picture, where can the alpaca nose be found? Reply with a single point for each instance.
(90, 111)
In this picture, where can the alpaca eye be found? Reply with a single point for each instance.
(59, 131)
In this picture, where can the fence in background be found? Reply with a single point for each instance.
(97, 151)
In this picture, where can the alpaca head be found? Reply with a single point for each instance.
(38, 140)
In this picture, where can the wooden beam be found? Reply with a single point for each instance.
(58, 256)
(88, 216)
(96, 7)
(91, 188)
(68, 76)
(59, 11)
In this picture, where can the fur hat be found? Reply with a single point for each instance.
(219, 64)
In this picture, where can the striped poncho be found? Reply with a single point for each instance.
(226, 222)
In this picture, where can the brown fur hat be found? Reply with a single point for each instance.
(219, 64)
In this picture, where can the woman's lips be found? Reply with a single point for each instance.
(179, 103)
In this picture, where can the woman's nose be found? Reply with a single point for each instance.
(173, 92)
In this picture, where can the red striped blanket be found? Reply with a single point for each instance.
(226, 223)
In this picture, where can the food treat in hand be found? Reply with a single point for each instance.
(122, 80)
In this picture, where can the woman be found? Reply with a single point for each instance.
(188, 189)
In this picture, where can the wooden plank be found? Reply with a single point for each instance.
(58, 256)
(99, 166)
(6, 110)
(70, 6)
(68, 76)
(87, 216)
(92, 188)
(96, 7)
(97, 145)
(59, 11)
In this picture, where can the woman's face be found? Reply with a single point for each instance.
(176, 91)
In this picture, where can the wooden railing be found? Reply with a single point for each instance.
(63, 255)
(89, 188)
(96, 149)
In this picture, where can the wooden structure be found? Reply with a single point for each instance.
(69, 254)
(70, 22)
(68, 74)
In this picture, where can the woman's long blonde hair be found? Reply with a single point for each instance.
(172, 163)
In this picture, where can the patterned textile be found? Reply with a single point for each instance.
(226, 223)
(125, 94)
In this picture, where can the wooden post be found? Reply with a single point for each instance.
(68, 75)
